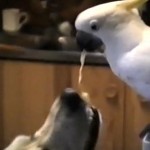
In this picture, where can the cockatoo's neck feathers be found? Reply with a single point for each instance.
(130, 4)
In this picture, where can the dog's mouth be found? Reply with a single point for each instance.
(94, 130)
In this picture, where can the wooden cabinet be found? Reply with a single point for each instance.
(28, 89)
(124, 113)
(137, 116)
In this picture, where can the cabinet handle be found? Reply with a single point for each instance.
(111, 93)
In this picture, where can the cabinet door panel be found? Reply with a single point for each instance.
(28, 90)
(107, 93)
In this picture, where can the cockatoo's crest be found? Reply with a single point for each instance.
(131, 4)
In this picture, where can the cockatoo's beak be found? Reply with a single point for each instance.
(88, 41)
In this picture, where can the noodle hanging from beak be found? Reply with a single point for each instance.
(84, 94)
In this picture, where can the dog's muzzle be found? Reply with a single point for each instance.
(73, 100)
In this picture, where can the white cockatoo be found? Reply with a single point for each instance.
(126, 38)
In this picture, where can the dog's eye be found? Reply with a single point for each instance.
(94, 25)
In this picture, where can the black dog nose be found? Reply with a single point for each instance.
(88, 41)
(71, 99)
(70, 94)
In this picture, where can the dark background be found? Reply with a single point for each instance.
(63, 9)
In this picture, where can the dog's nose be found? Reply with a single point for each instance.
(70, 94)
(71, 98)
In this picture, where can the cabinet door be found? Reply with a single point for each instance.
(136, 118)
(28, 90)
(107, 93)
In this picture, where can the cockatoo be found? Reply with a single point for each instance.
(126, 38)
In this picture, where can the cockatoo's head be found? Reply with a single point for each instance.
(96, 23)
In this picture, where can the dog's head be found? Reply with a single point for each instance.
(72, 124)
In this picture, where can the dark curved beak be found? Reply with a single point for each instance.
(87, 41)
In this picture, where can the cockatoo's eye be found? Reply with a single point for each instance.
(94, 25)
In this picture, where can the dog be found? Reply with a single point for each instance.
(72, 124)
